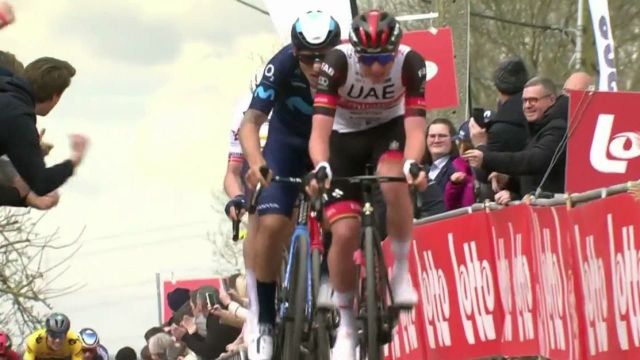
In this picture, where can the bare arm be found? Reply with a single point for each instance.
(249, 135)
(415, 129)
(319, 140)
(232, 179)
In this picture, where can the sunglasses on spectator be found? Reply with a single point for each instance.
(382, 59)
(310, 59)
(534, 100)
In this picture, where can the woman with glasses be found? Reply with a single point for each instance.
(450, 176)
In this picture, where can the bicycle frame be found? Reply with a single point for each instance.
(374, 293)
(301, 233)
(295, 311)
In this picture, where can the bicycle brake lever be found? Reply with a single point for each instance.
(235, 224)
(252, 205)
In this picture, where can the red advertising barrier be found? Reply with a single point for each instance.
(604, 143)
(514, 253)
(554, 286)
(604, 234)
(436, 47)
(526, 281)
(458, 288)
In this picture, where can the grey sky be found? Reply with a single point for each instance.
(124, 35)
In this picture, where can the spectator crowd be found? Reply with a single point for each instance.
(206, 323)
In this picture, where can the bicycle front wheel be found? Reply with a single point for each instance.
(295, 318)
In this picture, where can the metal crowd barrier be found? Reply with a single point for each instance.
(558, 199)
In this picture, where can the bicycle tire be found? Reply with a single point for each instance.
(280, 299)
(293, 327)
(322, 336)
(371, 336)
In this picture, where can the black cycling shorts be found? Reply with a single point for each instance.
(350, 153)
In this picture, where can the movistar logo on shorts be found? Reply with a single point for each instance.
(296, 102)
(264, 94)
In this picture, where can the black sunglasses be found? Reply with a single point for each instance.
(310, 59)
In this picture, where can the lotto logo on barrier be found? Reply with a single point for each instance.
(476, 293)
(434, 300)
(557, 314)
(458, 288)
(437, 50)
(513, 250)
(604, 146)
(604, 234)
(526, 281)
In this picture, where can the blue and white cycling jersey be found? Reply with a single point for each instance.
(285, 92)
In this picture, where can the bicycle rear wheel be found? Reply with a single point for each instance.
(371, 335)
(296, 297)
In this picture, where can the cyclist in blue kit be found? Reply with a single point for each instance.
(286, 90)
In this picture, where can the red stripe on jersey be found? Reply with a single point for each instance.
(415, 102)
(236, 158)
(325, 100)
(374, 16)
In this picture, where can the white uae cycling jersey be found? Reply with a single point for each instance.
(362, 103)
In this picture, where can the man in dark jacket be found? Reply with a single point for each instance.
(507, 127)
(529, 166)
(21, 99)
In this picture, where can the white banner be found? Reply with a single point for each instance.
(284, 12)
(604, 42)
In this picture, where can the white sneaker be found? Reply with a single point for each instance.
(261, 344)
(403, 292)
(345, 346)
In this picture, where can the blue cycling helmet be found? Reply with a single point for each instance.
(315, 30)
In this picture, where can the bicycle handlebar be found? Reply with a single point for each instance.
(264, 171)
(365, 179)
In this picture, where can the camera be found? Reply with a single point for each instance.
(481, 116)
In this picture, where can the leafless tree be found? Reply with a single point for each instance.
(27, 274)
(543, 33)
